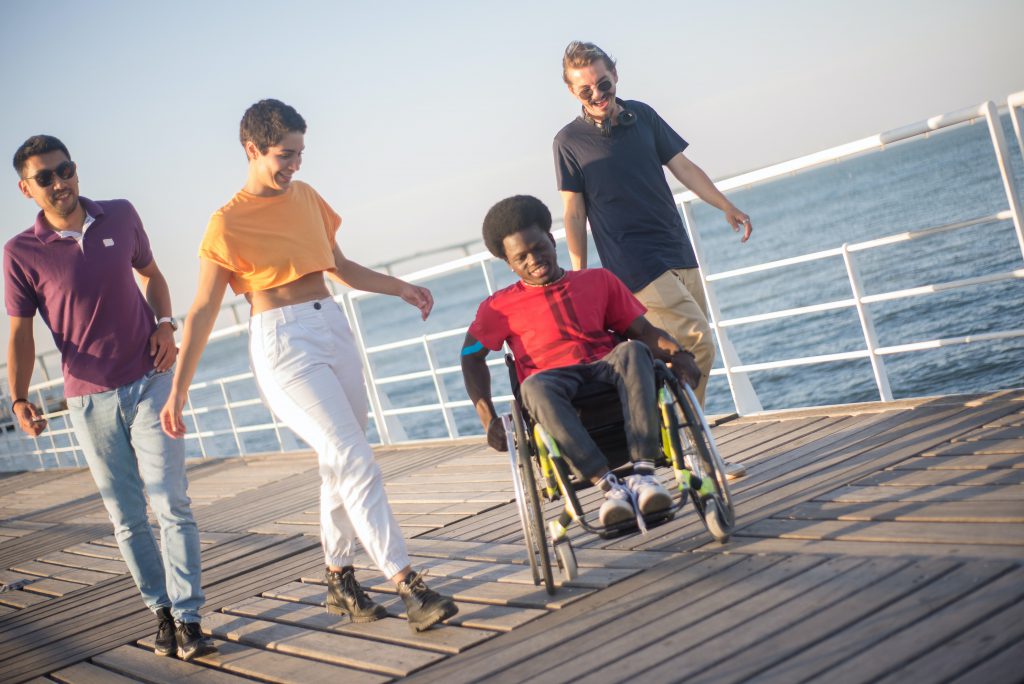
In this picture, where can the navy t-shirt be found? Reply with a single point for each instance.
(637, 228)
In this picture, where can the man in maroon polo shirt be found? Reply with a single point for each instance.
(76, 266)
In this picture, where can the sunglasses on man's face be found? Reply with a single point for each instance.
(604, 85)
(45, 178)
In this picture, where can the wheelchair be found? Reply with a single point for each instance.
(540, 472)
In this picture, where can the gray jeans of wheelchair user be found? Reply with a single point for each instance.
(629, 368)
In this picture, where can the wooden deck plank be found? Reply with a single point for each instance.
(661, 620)
(87, 673)
(496, 659)
(748, 646)
(901, 613)
(279, 668)
(876, 494)
(987, 447)
(1004, 666)
(476, 615)
(62, 572)
(818, 474)
(498, 593)
(52, 587)
(946, 511)
(326, 647)
(759, 545)
(953, 478)
(135, 662)
(389, 630)
(712, 625)
(893, 532)
(941, 625)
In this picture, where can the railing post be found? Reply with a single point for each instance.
(995, 128)
(442, 393)
(1013, 102)
(371, 386)
(195, 423)
(231, 417)
(867, 326)
(488, 281)
(743, 395)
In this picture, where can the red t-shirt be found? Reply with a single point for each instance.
(557, 325)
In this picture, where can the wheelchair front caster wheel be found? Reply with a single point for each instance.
(713, 519)
(566, 559)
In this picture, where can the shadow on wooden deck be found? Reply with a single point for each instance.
(874, 543)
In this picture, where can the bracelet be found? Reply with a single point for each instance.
(18, 401)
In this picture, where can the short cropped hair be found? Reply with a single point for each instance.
(579, 54)
(512, 215)
(37, 144)
(267, 122)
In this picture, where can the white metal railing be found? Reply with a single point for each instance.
(56, 446)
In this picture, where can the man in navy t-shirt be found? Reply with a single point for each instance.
(609, 166)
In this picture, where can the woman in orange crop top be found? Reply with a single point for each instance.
(274, 242)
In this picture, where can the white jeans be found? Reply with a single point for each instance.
(305, 362)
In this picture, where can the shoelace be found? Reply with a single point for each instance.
(348, 580)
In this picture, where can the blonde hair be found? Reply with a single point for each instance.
(579, 54)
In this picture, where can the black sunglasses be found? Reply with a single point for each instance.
(45, 178)
(604, 86)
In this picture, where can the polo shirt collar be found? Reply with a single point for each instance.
(45, 234)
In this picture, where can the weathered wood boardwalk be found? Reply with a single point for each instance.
(874, 543)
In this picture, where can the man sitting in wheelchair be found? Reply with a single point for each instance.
(562, 326)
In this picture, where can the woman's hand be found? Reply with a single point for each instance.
(171, 419)
(419, 297)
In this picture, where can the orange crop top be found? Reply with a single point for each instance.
(270, 241)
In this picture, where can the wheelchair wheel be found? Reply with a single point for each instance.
(566, 558)
(693, 439)
(536, 540)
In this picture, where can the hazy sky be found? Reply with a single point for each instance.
(423, 114)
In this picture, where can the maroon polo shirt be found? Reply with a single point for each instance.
(87, 295)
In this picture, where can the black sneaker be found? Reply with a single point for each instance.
(166, 645)
(424, 606)
(346, 597)
(191, 642)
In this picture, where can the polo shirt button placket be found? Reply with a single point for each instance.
(316, 305)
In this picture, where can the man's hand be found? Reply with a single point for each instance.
(496, 438)
(30, 418)
(171, 419)
(737, 219)
(162, 347)
(684, 367)
(419, 297)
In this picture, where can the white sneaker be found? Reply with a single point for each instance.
(651, 495)
(734, 471)
(617, 507)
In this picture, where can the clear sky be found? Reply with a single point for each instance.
(423, 114)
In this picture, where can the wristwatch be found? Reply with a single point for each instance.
(168, 319)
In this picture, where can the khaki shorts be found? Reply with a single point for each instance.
(675, 303)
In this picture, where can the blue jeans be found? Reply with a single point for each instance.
(127, 451)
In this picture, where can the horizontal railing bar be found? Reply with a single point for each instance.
(411, 341)
(802, 361)
(419, 375)
(925, 232)
(424, 408)
(786, 313)
(841, 151)
(859, 246)
(942, 287)
(950, 342)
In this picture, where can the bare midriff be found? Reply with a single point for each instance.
(308, 288)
